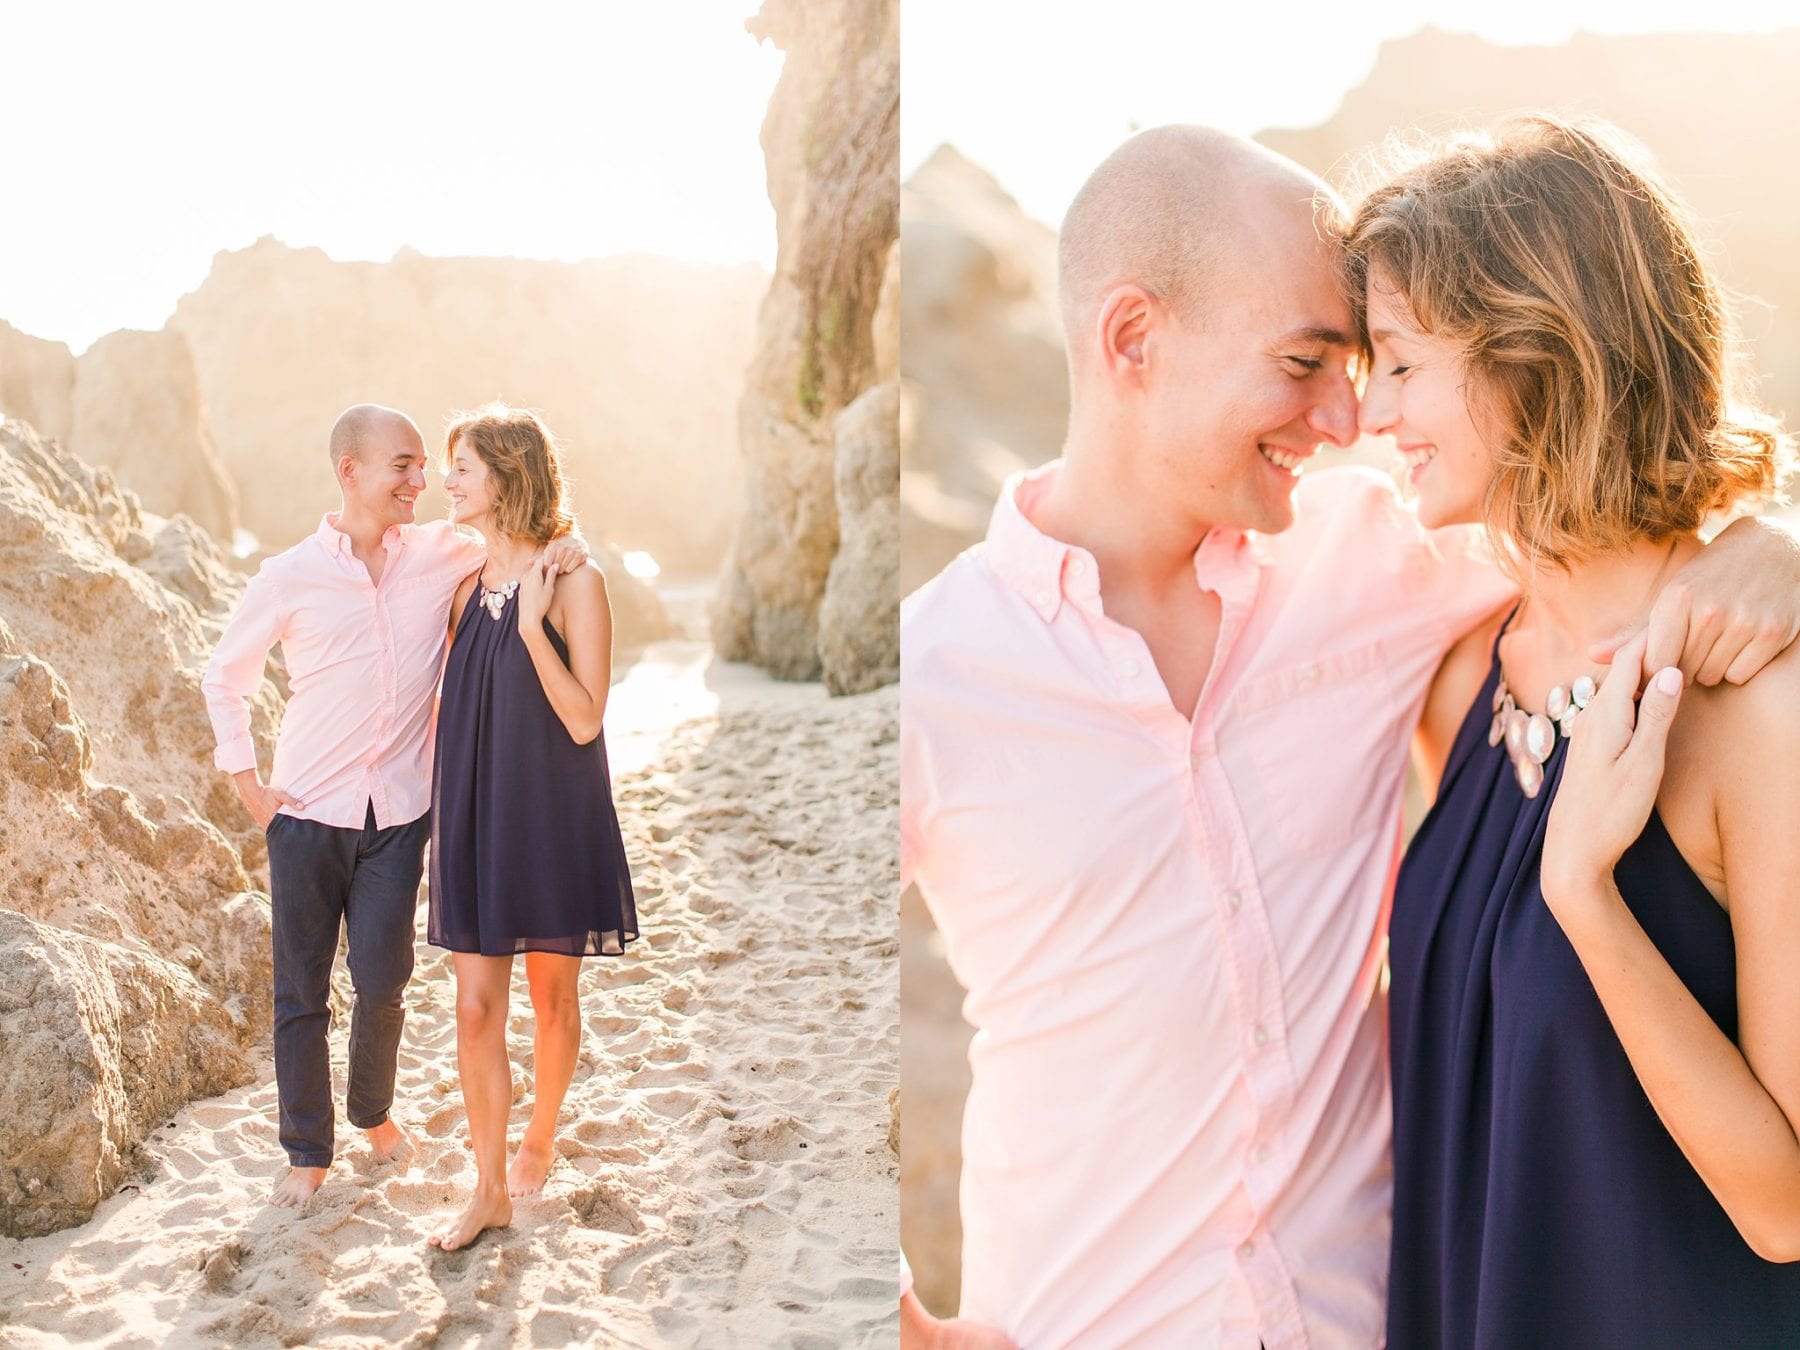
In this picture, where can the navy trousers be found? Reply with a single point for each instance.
(322, 880)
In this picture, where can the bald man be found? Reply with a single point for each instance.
(361, 608)
(1153, 746)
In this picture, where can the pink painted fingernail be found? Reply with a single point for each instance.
(1668, 679)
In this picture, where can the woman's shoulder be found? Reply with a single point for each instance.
(1750, 723)
(588, 579)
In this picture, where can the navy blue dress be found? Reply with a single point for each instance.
(526, 853)
(1538, 1200)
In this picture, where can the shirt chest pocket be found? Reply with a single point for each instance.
(1323, 742)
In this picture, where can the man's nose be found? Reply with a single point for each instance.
(1333, 418)
(1376, 414)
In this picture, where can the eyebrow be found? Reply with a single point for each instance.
(1330, 337)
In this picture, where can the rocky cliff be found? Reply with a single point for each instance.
(138, 411)
(983, 370)
(635, 362)
(134, 964)
(831, 141)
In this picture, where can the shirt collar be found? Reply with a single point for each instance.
(335, 542)
(1046, 571)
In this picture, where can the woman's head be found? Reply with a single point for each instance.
(1549, 348)
(504, 472)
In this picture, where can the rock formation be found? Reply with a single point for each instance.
(139, 412)
(986, 389)
(1715, 110)
(831, 141)
(859, 617)
(635, 362)
(134, 955)
(37, 382)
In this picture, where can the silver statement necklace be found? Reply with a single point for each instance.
(494, 601)
(1530, 738)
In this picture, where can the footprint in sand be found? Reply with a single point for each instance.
(599, 1206)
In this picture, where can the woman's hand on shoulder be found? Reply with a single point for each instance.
(536, 587)
(1610, 779)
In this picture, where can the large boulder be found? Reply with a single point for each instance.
(859, 619)
(985, 379)
(831, 142)
(37, 382)
(138, 410)
(134, 951)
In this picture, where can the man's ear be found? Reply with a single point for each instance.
(1123, 327)
(346, 469)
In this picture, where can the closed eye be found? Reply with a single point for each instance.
(1399, 370)
(1308, 364)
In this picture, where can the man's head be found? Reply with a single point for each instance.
(1208, 334)
(379, 458)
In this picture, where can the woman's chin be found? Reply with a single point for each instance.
(1435, 513)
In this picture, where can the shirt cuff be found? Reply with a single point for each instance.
(236, 756)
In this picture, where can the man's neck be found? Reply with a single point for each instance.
(365, 533)
(1097, 503)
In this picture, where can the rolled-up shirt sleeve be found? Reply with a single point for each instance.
(236, 671)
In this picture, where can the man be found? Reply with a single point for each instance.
(361, 608)
(1152, 753)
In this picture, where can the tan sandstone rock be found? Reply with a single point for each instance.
(859, 618)
(986, 385)
(37, 382)
(635, 362)
(831, 141)
(134, 956)
(138, 410)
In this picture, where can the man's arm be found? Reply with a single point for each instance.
(232, 678)
(1729, 612)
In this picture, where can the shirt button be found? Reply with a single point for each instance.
(1078, 566)
(1260, 1036)
(1262, 1153)
(1310, 674)
(1131, 669)
(1043, 597)
(1247, 1250)
(1235, 900)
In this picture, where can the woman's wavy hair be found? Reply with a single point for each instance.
(529, 493)
(1592, 329)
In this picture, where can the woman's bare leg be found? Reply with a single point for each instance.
(483, 984)
(554, 998)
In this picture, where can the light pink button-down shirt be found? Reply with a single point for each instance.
(1171, 933)
(363, 662)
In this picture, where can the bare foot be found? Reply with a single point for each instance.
(530, 1165)
(390, 1143)
(489, 1209)
(297, 1187)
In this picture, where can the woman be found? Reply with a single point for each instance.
(1595, 1011)
(526, 854)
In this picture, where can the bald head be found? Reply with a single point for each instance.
(1174, 210)
(368, 429)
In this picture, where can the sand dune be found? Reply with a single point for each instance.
(725, 1174)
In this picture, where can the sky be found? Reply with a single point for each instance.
(1039, 96)
(142, 139)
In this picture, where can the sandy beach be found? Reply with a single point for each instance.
(726, 1174)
